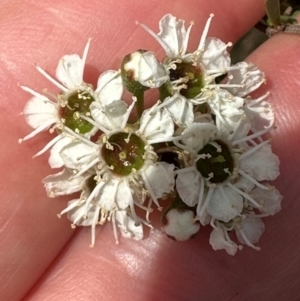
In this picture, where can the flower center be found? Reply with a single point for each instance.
(124, 153)
(78, 103)
(216, 162)
(188, 76)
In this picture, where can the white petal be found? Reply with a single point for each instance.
(109, 87)
(269, 199)
(151, 73)
(218, 241)
(188, 187)
(229, 114)
(55, 160)
(215, 55)
(123, 195)
(225, 206)
(181, 109)
(37, 112)
(156, 126)
(172, 33)
(111, 116)
(160, 178)
(106, 197)
(248, 75)
(78, 155)
(197, 135)
(262, 164)
(128, 227)
(181, 225)
(253, 228)
(61, 184)
(244, 184)
(69, 71)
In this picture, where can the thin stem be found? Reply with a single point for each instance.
(139, 106)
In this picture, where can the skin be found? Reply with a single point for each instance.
(42, 258)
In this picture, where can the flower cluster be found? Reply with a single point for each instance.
(198, 154)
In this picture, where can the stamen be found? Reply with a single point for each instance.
(52, 80)
(48, 145)
(248, 243)
(204, 34)
(36, 94)
(251, 179)
(84, 56)
(128, 112)
(186, 39)
(157, 38)
(253, 150)
(69, 208)
(148, 211)
(228, 241)
(91, 164)
(93, 193)
(93, 227)
(207, 199)
(149, 188)
(253, 136)
(39, 129)
(113, 220)
(79, 137)
(94, 123)
(245, 195)
(201, 194)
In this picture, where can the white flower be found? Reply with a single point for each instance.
(219, 170)
(80, 215)
(192, 75)
(124, 160)
(65, 112)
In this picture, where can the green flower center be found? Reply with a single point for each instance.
(78, 103)
(124, 152)
(191, 76)
(216, 163)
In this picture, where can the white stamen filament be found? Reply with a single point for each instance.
(93, 226)
(158, 39)
(80, 137)
(207, 199)
(128, 112)
(84, 56)
(94, 123)
(39, 129)
(48, 145)
(204, 34)
(149, 188)
(248, 243)
(86, 168)
(251, 179)
(245, 195)
(52, 80)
